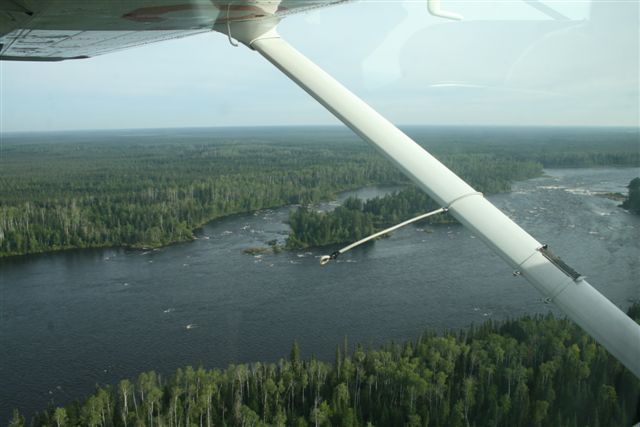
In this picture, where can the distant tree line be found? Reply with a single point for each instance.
(61, 196)
(81, 194)
(552, 147)
(532, 371)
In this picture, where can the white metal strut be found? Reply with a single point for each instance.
(600, 318)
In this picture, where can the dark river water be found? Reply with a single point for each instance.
(71, 320)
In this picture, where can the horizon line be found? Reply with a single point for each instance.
(333, 126)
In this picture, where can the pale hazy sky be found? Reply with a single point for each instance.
(505, 64)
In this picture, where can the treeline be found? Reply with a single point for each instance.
(60, 196)
(106, 190)
(356, 219)
(586, 159)
(553, 147)
(532, 371)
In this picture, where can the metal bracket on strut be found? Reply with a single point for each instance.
(558, 262)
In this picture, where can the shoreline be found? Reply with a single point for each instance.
(240, 306)
(619, 197)
(146, 247)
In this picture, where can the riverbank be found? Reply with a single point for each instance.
(121, 312)
(152, 188)
(145, 246)
(485, 375)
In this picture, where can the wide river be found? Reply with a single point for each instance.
(71, 320)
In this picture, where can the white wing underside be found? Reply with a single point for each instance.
(56, 30)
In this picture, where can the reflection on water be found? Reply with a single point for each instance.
(70, 320)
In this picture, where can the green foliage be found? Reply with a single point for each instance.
(552, 147)
(17, 420)
(69, 195)
(356, 219)
(60, 417)
(97, 191)
(526, 372)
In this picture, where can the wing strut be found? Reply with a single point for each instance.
(326, 258)
(582, 303)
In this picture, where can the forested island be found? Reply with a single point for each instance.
(632, 202)
(104, 189)
(356, 219)
(532, 371)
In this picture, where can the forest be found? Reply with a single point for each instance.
(77, 195)
(356, 219)
(81, 190)
(531, 371)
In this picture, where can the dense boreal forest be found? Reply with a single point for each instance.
(105, 189)
(64, 195)
(114, 191)
(532, 371)
(356, 219)
(552, 147)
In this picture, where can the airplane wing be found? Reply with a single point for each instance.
(56, 30)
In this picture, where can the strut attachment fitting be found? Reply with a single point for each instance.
(558, 262)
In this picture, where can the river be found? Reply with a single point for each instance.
(71, 320)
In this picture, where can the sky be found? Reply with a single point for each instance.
(506, 63)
